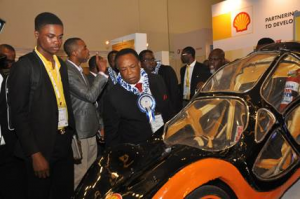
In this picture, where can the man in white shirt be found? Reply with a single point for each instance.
(192, 74)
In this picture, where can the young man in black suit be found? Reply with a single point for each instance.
(150, 65)
(43, 118)
(137, 106)
(193, 74)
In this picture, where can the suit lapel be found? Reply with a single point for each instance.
(82, 77)
(195, 72)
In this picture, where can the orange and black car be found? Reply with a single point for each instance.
(239, 137)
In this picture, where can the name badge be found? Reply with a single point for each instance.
(62, 117)
(157, 123)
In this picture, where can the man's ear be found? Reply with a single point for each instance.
(74, 53)
(224, 62)
(36, 34)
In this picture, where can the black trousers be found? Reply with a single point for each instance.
(60, 183)
(13, 178)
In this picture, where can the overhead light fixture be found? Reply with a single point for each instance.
(107, 42)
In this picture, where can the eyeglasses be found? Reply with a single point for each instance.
(149, 60)
(184, 54)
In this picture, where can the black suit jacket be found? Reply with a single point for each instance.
(200, 74)
(124, 122)
(171, 81)
(36, 126)
(10, 138)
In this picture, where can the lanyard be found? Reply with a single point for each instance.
(52, 79)
(133, 89)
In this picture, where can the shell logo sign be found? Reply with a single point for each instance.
(231, 24)
(241, 21)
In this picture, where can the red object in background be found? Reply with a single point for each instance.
(291, 89)
(165, 97)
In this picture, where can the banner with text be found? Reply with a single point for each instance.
(239, 24)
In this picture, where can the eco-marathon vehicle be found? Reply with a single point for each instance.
(237, 138)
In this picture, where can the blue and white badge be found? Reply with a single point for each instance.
(145, 101)
(146, 104)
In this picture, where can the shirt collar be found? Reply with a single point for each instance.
(43, 58)
(140, 81)
(48, 64)
(78, 67)
(193, 63)
(94, 74)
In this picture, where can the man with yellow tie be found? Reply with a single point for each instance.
(191, 74)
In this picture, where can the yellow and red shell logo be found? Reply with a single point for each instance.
(241, 21)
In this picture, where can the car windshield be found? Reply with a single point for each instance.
(208, 123)
(241, 75)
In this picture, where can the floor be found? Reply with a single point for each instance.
(293, 192)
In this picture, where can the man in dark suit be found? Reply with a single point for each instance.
(148, 62)
(12, 169)
(216, 60)
(111, 56)
(84, 96)
(43, 117)
(193, 74)
(137, 106)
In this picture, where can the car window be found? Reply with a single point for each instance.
(264, 122)
(282, 87)
(241, 75)
(276, 157)
(293, 123)
(208, 123)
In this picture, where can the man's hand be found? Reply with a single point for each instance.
(40, 165)
(101, 63)
(199, 85)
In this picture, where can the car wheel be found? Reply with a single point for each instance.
(209, 192)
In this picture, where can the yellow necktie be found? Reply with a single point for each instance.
(187, 82)
(187, 79)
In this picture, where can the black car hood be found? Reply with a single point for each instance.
(118, 165)
(138, 169)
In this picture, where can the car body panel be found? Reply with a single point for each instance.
(203, 171)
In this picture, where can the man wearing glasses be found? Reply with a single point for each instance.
(193, 74)
(150, 65)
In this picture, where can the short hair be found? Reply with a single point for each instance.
(265, 41)
(190, 50)
(218, 51)
(111, 52)
(7, 46)
(46, 18)
(125, 51)
(70, 44)
(92, 63)
(143, 52)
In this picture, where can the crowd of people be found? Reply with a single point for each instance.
(46, 103)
